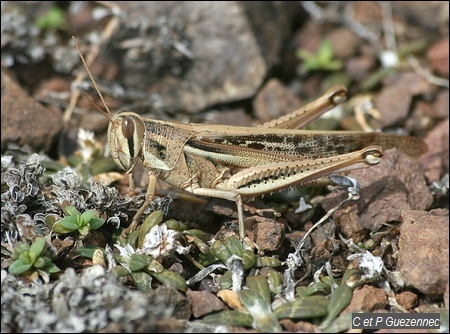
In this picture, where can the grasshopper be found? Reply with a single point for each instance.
(233, 162)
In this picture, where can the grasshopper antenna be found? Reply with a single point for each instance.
(107, 113)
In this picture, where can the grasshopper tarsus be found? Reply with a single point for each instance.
(240, 162)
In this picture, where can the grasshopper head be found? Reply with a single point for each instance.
(125, 137)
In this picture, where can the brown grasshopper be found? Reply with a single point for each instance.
(233, 162)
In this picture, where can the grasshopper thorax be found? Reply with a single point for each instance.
(125, 137)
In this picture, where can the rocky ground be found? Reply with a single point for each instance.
(65, 202)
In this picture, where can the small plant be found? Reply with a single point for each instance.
(322, 60)
(32, 258)
(54, 18)
(76, 221)
(143, 268)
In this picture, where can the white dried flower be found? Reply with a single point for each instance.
(161, 242)
(89, 147)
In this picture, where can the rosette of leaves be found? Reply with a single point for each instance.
(32, 259)
(323, 60)
(232, 248)
(76, 221)
(143, 268)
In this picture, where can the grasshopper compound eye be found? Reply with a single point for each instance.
(125, 137)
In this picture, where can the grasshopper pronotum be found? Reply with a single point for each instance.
(233, 162)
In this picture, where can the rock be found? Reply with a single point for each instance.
(267, 233)
(186, 57)
(407, 299)
(24, 120)
(236, 117)
(274, 100)
(358, 68)
(367, 298)
(437, 55)
(435, 160)
(182, 305)
(393, 103)
(441, 104)
(204, 302)
(395, 98)
(395, 185)
(446, 297)
(344, 41)
(299, 326)
(429, 16)
(424, 250)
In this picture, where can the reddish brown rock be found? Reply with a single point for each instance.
(274, 100)
(204, 302)
(435, 160)
(424, 250)
(267, 233)
(367, 298)
(437, 54)
(407, 299)
(395, 185)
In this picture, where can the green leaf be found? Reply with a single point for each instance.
(21, 248)
(226, 281)
(263, 318)
(340, 325)
(120, 271)
(206, 259)
(142, 280)
(259, 284)
(333, 65)
(170, 278)
(96, 223)
(248, 259)
(39, 263)
(267, 261)
(349, 273)
(220, 251)
(201, 245)
(305, 55)
(87, 216)
(18, 267)
(198, 233)
(88, 251)
(84, 230)
(72, 211)
(51, 268)
(310, 307)
(26, 258)
(325, 52)
(154, 266)
(175, 225)
(69, 223)
(138, 262)
(38, 246)
(52, 19)
(234, 245)
(275, 281)
(229, 318)
(339, 300)
(319, 287)
(51, 220)
(60, 229)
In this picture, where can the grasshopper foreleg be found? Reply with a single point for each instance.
(229, 195)
(149, 197)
